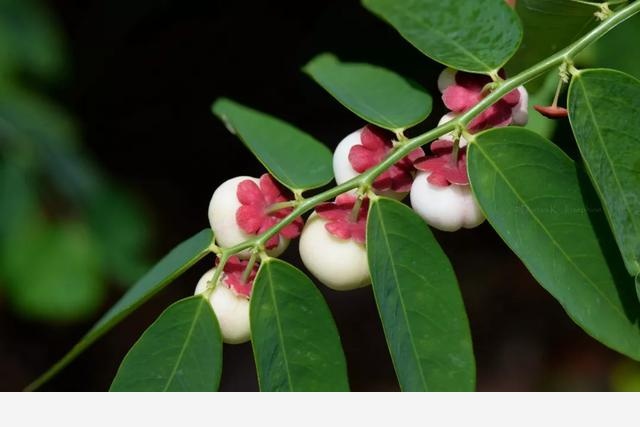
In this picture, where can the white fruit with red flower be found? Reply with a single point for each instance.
(231, 310)
(340, 264)
(367, 147)
(447, 208)
(239, 210)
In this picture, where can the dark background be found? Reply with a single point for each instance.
(143, 76)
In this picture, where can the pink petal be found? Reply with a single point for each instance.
(512, 98)
(345, 200)
(458, 99)
(361, 158)
(293, 230)
(401, 180)
(249, 193)
(250, 218)
(383, 181)
(437, 180)
(359, 232)
(430, 164)
(339, 229)
(331, 212)
(375, 138)
(415, 154)
(271, 190)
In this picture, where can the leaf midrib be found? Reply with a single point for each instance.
(184, 345)
(279, 324)
(611, 165)
(404, 311)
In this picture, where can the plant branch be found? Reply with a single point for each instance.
(502, 88)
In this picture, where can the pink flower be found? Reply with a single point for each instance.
(375, 145)
(444, 169)
(466, 92)
(255, 217)
(233, 271)
(339, 221)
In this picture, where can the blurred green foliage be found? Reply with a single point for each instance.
(65, 229)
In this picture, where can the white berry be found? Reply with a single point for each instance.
(341, 264)
(232, 311)
(222, 217)
(445, 208)
(342, 169)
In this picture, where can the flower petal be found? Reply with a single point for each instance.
(458, 99)
(339, 229)
(249, 193)
(361, 158)
(271, 190)
(250, 218)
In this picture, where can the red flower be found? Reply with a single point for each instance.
(444, 169)
(233, 271)
(375, 144)
(552, 112)
(254, 216)
(467, 92)
(338, 216)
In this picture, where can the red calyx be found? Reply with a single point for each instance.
(254, 217)
(444, 169)
(339, 218)
(374, 146)
(233, 271)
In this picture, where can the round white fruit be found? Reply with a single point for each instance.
(222, 217)
(232, 311)
(445, 208)
(449, 136)
(342, 169)
(341, 264)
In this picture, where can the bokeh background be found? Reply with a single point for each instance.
(109, 155)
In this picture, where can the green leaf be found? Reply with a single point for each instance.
(420, 305)
(293, 157)
(376, 94)
(180, 351)
(164, 272)
(295, 341)
(557, 229)
(470, 35)
(604, 106)
(549, 26)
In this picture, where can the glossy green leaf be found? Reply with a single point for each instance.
(544, 208)
(164, 272)
(295, 341)
(549, 26)
(376, 94)
(180, 351)
(604, 106)
(420, 305)
(293, 157)
(470, 35)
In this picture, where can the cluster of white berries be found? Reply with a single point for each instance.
(332, 242)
